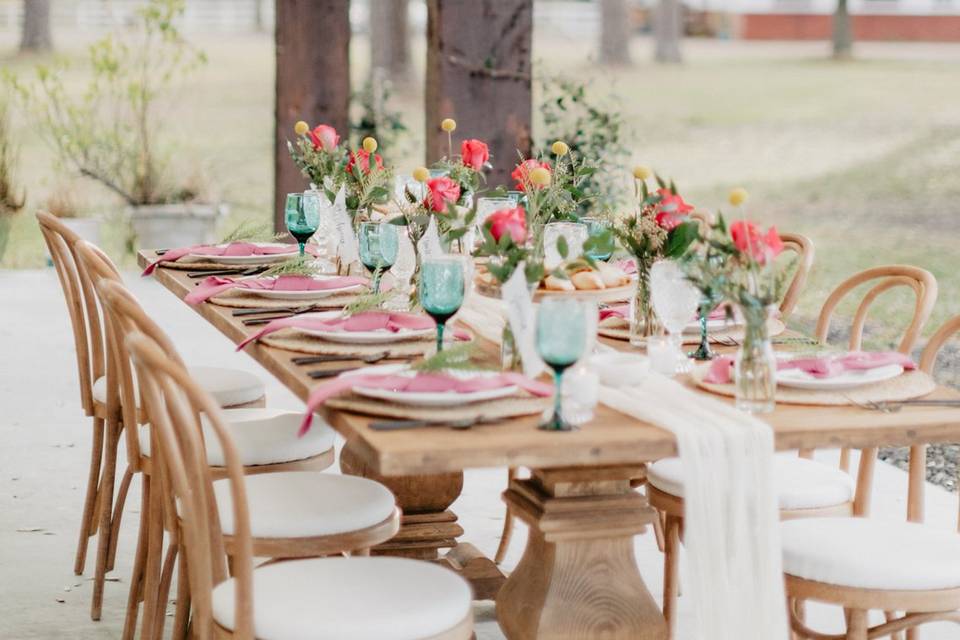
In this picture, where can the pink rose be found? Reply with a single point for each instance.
(362, 157)
(324, 137)
(748, 239)
(512, 221)
(671, 210)
(440, 192)
(474, 153)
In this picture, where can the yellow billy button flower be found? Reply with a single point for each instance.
(641, 172)
(738, 196)
(448, 124)
(369, 144)
(540, 177)
(560, 148)
(421, 174)
(301, 128)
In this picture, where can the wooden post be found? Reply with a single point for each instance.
(312, 83)
(478, 73)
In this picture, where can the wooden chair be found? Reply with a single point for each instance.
(862, 564)
(807, 489)
(329, 597)
(793, 242)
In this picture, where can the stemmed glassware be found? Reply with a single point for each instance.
(302, 215)
(595, 227)
(485, 207)
(675, 301)
(441, 289)
(562, 325)
(379, 245)
(574, 233)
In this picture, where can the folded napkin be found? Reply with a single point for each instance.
(627, 265)
(623, 311)
(232, 249)
(721, 370)
(214, 285)
(366, 321)
(421, 382)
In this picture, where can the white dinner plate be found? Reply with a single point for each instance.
(242, 260)
(312, 294)
(797, 379)
(381, 336)
(429, 399)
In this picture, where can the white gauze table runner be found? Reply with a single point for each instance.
(731, 522)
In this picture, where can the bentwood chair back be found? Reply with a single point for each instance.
(802, 246)
(174, 404)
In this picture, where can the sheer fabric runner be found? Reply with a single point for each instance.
(732, 531)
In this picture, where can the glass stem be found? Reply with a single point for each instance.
(557, 398)
(303, 246)
(376, 281)
(440, 336)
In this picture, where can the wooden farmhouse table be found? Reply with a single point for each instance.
(578, 577)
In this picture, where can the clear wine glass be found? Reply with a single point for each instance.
(562, 324)
(675, 301)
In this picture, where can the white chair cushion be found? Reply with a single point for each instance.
(291, 504)
(350, 599)
(263, 436)
(801, 483)
(871, 554)
(229, 387)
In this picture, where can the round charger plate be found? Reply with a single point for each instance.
(612, 294)
(797, 379)
(380, 336)
(244, 260)
(312, 294)
(426, 398)
(621, 331)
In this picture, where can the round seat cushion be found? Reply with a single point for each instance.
(864, 553)
(350, 599)
(229, 387)
(262, 436)
(801, 483)
(291, 504)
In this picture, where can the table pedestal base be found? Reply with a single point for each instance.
(578, 577)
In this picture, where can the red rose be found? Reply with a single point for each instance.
(512, 221)
(324, 137)
(474, 153)
(362, 157)
(671, 210)
(440, 192)
(522, 172)
(747, 238)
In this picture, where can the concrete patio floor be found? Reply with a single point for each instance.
(45, 449)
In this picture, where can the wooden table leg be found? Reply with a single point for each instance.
(428, 528)
(578, 577)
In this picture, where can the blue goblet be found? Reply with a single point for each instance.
(378, 248)
(561, 341)
(441, 289)
(302, 215)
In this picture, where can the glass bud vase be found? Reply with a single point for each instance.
(755, 371)
(643, 321)
(510, 359)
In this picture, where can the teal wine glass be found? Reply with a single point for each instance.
(378, 248)
(561, 340)
(595, 227)
(302, 215)
(441, 289)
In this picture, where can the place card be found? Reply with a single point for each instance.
(429, 244)
(516, 297)
(349, 249)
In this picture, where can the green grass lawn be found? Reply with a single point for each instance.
(863, 157)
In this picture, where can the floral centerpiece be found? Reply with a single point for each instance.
(659, 227)
(466, 170)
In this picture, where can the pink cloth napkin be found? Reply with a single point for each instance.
(366, 321)
(213, 285)
(421, 382)
(627, 265)
(232, 249)
(721, 370)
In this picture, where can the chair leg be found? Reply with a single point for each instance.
(154, 557)
(889, 616)
(800, 611)
(658, 532)
(181, 618)
(135, 594)
(857, 624)
(112, 434)
(508, 519)
(163, 592)
(913, 633)
(88, 520)
(671, 568)
(845, 459)
(118, 516)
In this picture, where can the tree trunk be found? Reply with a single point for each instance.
(389, 41)
(257, 15)
(668, 29)
(615, 30)
(36, 26)
(312, 81)
(842, 34)
(478, 73)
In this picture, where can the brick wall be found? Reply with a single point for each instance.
(876, 27)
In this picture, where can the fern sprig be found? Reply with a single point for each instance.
(297, 266)
(369, 302)
(456, 358)
(250, 231)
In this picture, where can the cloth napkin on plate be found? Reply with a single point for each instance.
(721, 369)
(232, 249)
(366, 321)
(421, 382)
(213, 285)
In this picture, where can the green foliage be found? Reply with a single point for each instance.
(12, 199)
(296, 266)
(107, 131)
(376, 118)
(368, 302)
(251, 231)
(459, 357)
(593, 130)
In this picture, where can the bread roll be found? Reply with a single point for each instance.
(587, 280)
(553, 283)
